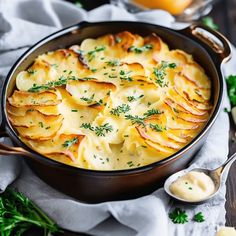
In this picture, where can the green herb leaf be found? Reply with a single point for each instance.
(155, 127)
(135, 119)
(88, 100)
(178, 216)
(69, 143)
(56, 83)
(87, 126)
(132, 98)
(199, 217)
(114, 62)
(152, 112)
(103, 129)
(18, 214)
(91, 54)
(208, 21)
(120, 109)
(160, 73)
(144, 48)
(231, 86)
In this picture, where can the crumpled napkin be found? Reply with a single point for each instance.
(23, 23)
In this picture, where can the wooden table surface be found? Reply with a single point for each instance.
(224, 15)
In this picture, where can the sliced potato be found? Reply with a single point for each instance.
(87, 93)
(47, 98)
(41, 132)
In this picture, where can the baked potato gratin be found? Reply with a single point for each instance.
(116, 102)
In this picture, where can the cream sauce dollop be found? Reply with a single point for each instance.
(193, 186)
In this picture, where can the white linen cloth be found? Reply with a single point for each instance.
(23, 23)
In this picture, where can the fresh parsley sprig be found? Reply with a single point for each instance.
(199, 217)
(18, 214)
(120, 109)
(56, 83)
(231, 87)
(178, 216)
(152, 112)
(101, 130)
(160, 73)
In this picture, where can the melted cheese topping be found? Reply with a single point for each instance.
(116, 102)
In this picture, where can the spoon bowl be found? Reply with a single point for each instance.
(217, 175)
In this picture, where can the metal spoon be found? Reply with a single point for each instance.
(216, 175)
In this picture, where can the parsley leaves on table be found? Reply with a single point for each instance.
(208, 21)
(19, 214)
(160, 73)
(231, 86)
(199, 217)
(144, 48)
(120, 109)
(178, 216)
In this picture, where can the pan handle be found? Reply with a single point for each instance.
(8, 150)
(218, 43)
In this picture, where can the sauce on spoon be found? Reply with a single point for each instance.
(193, 186)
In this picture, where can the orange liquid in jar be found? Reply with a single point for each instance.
(175, 7)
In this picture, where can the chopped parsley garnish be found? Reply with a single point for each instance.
(130, 163)
(199, 217)
(125, 76)
(132, 98)
(155, 127)
(144, 48)
(103, 129)
(178, 216)
(41, 124)
(114, 62)
(87, 126)
(74, 110)
(88, 100)
(99, 130)
(54, 66)
(118, 39)
(160, 73)
(91, 54)
(120, 109)
(231, 87)
(56, 83)
(152, 112)
(69, 143)
(135, 119)
(93, 70)
(31, 72)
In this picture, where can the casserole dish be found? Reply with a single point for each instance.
(96, 186)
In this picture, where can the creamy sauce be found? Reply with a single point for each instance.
(194, 186)
(226, 231)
